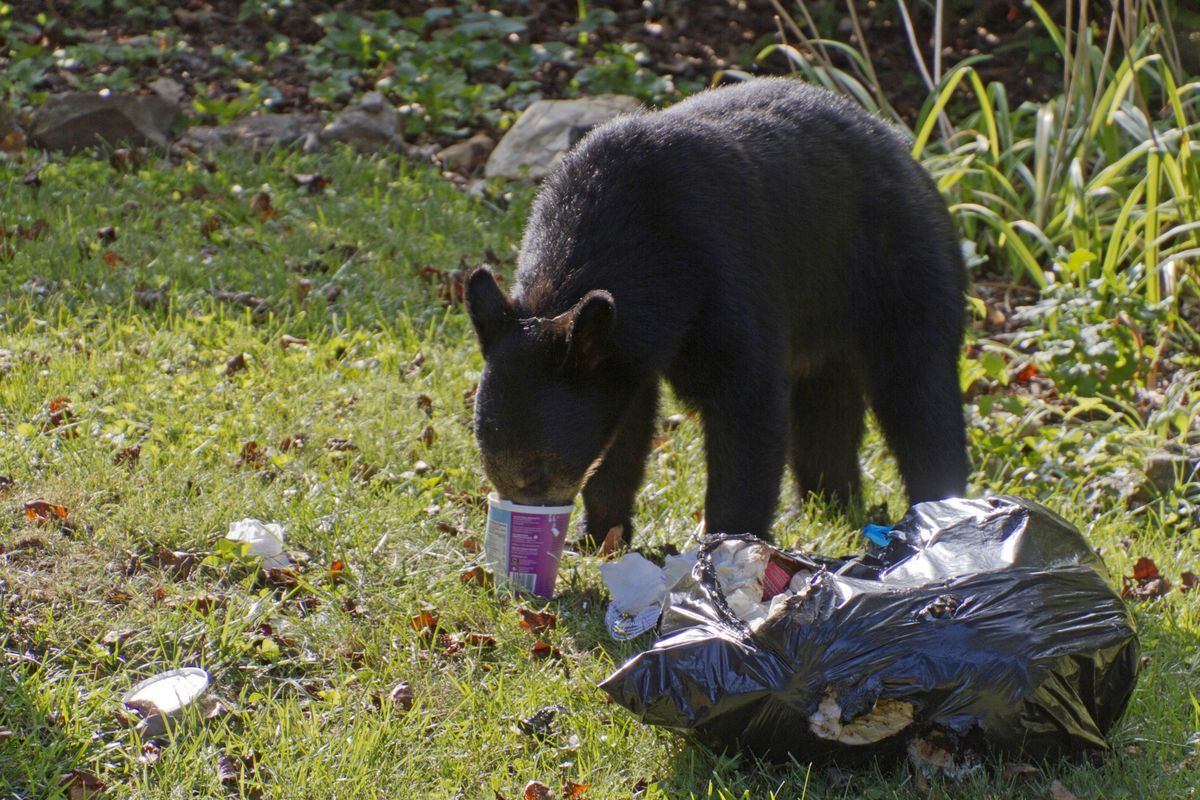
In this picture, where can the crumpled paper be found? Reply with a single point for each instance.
(638, 588)
(265, 540)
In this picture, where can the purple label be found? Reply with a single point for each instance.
(525, 547)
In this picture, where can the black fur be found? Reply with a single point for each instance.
(772, 251)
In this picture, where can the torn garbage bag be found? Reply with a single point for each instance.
(986, 624)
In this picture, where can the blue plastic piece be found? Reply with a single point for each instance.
(878, 534)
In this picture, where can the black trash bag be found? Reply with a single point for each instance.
(980, 627)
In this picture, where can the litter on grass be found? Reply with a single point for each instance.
(163, 697)
(971, 627)
(265, 540)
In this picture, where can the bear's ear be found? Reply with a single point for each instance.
(591, 326)
(491, 312)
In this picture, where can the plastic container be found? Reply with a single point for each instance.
(163, 697)
(524, 544)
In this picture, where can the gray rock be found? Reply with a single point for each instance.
(256, 134)
(78, 120)
(468, 155)
(170, 90)
(1167, 469)
(547, 130)
(371, 125)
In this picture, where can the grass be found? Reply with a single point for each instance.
(89, 605)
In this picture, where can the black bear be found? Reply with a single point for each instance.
(778, 256)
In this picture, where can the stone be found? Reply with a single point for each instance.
(78, 120)
(170, 90)
(547, 129)
(371, 125)
(255, 134)
(466, 156)
(12, 138)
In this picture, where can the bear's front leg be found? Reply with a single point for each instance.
(745, 440)
(609, 493)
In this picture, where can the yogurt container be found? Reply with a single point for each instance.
(164, 696)
(524, 544)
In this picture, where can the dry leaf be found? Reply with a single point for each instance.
(541, 650)
(6, 483)
(112, 259)
(210, 225)
(479, 639)
(1146, 583)
(402, 697)
(571, 789)
(1187, 579)
(1012, 771)
(150, 754)
(427, 619)
(303, 288)
(41, 511)
(1059, 792)
(536, 622)
(337, 570)
(129, 455)
(287, 341)
(315, 182)
(260, 204)
(536, 790)
(107, 234)
(476, 575)
(252, 455)
(428, 436)
(425, 403)
(82, 785)
(235, 364)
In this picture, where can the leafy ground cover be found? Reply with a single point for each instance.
(175, 357)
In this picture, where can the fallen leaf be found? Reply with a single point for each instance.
(477, 575)
(260, 204)
(128, 455)
(541, 650)
(1027, 373)
(402, 697)
(284, 578)
(295, 442)
(471, 545)
(479, 639)
(179, 563)
(1146, 583)
(287, 341)
(536, 790)
(415, 365)
(340, 445)
(303, 288)
(210, 225)
(6, 483)
(337, 570)
(315, 182)
(1012, 771)
(571, 789)
(82, 785)
(541, 722)
(13, 142)
(107, 234)
(425, 403)
(536, 622)
(428, 436)
(426, 620)
(112, 259)
(1145, 569)
(42, 511)
(1059, 792)
(235, 365)
(150, 754)
(1187, 580)
(332, 292)
(252, 455)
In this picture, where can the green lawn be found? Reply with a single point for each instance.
(137, 334)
